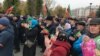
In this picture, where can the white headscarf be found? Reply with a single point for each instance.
(67, 26)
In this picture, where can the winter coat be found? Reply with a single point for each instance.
(51, 28)
(68, 31)
(88, 48)
(31, 35)
(77, 46)
(6, 39)
(97, 41)
(60, 48)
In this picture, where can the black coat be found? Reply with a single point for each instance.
(30, 35)
(52, 28)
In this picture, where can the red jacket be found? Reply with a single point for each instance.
(60, 48)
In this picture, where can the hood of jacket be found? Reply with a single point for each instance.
(64, 44)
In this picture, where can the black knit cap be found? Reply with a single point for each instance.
(83, 23)
(95, 21)
(73, 19)
(50, 18)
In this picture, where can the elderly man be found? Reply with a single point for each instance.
(6, 38)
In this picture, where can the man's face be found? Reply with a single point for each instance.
(80, 27)
(1, 27)
(94, 29)
(14, 18)
(48, 21)
(72, 22)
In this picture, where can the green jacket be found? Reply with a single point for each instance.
(97, 40)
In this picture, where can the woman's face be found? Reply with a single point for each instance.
(15, 18)
(80, 27)
(48, 22)
(72, 22)
(1, 27)
(94, 29)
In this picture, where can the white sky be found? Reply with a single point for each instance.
(75, 3)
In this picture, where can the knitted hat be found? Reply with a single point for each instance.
(4, 21)
(50, 18)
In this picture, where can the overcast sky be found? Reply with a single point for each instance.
(75, 3)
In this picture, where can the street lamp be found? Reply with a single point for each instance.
(90, 9)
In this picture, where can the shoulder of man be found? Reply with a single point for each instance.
(5, 33)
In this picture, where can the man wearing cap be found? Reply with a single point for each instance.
(81, 26)
(50, 25)
(31, 36)
(73, 22)
(94, 33)
(78, 35)
(6, 38)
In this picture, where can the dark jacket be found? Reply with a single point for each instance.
(31, 35)
(60, 48)
(6, 39)
(51, 28)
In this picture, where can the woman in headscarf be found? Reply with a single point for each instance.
(31, 35)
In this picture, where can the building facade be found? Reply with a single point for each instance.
(85, 12)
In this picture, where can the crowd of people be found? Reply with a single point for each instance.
(56, 36)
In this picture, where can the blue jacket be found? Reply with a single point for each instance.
(77, 46)
(68, 31)
(6, 39)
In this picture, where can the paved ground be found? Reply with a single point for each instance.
(37, 52)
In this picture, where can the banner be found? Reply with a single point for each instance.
(9, 10)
